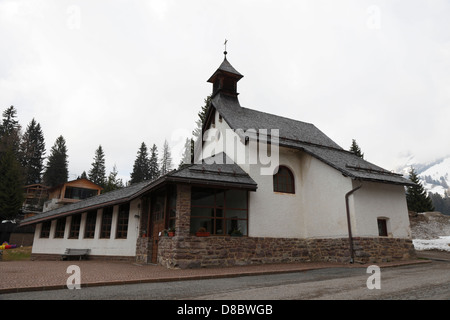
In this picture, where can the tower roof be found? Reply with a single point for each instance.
(226, 68)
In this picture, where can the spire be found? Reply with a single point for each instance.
(225, 52)
(225, 78)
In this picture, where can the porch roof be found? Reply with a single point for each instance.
(211, 172)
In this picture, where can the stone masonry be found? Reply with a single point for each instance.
(188, 251)
(222, 251)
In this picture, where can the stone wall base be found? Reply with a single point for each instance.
(143, 250)
(221, 251)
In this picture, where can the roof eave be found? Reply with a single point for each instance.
(158, 182)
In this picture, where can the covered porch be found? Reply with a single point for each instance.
(196, 202)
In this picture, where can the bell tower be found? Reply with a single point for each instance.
(225, 79)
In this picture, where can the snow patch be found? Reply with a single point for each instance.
(442, 243)
(430, 231)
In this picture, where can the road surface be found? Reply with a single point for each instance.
(422, 281)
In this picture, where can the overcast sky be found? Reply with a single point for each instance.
(119, 73)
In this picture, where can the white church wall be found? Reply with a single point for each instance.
(317, 209)
(380, 200)
(323, 194)
(276, 214)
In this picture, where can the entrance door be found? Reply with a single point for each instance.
(158, 224)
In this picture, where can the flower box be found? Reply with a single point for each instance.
(202, 234)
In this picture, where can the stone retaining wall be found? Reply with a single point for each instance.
(221, 251)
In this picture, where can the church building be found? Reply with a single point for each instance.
(262, 189)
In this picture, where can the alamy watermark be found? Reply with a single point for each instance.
(373, 21)
(74, 280)
(374, 280)
(243, 147)
(73, 17)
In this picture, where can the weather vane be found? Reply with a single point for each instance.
(225, 44)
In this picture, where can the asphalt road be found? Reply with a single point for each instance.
(413, 282)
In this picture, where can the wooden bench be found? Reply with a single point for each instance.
(80, 253)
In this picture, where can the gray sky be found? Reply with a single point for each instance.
(119, 73)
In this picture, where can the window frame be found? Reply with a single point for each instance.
(45, 229)
(171, 208)
(220, 212)
(106, 224)
(60, 228)
(89, 226)
(75, 225)
(122, 221)
(382, 227)
(79, 193)
(289, 187)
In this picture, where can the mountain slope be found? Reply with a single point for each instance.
(434, 175)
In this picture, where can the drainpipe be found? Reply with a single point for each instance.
(350, 238)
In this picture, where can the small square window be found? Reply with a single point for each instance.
(382, 227)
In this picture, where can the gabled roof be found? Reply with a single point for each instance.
(302, 136)
(222, 172)
(76, 182)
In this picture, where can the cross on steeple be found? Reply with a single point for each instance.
(225, 44)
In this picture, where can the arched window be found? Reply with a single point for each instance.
(283, 180)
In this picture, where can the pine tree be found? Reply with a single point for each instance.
(10, 131)
(186, 157)
(166, 159)
(441, 204)
(113, 183)
(196, 133)
(11, 173)
(354, 148)
(416, 196)
(32, 151)
(154, 165)
(11, 186)
(201, 118)
(83, 175)
(57, 169)
(97, 173)
(141, 167)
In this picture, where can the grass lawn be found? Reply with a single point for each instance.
(23, 253)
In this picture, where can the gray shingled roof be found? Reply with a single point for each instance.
(303, 136)
(243, 118)
(215, 171)
(227, 67)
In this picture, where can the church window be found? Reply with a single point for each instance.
(60, 227)
(122, 221)
(75, 226)
(91, 218)
(105, 227)
(45, 229)
(283, 180)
